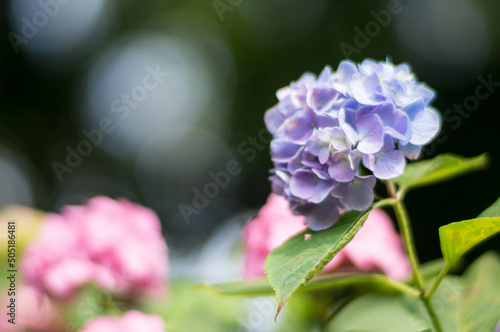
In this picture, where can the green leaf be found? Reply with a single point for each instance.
(479, 309)
(459, 237)
(470, 303)
(492, 211)
(259, 287)
(381, 313)
(467, 303)
(190, 308)
(298, 260)
(441, 168)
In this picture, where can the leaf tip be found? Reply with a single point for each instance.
(281, 304)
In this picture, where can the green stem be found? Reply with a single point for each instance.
(438, 280)
(384, 202)
(109, 306)
(406, 232)
(432, 313)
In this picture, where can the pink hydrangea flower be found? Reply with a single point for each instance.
(274, 224)
(116, 244)
(131, 321)
(34, 311)
(376, 247)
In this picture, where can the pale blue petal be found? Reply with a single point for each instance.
(409, 150)
(425, 127)
(396, 123)
(415, 109)
(389, 165)
(369, 128)
(360, 193)
(339, 139)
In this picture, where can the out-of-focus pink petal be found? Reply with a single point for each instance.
(377, 246)
(131, 321)
(117, 244)
(64, 278)
(34, 311)
(274, 224)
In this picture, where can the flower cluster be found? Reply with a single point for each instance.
(131, 321)
(324, 128)
(116, 244)
(375, 247)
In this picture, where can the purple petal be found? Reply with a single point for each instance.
(323, 188)
(296, 162)
(308, 159)
(300, 126)
(389, 165)
(274, 118)
(324, 155)
(340, 167)
(283, 150)
(425, 127)
(369, 161)
(396, 123)
(388, 144)
(320, 216)
(321, 173)
(303, 184)
(357, 194)
(325, 120)
(369, 128)
(321, 98)
(306, 185)
(319, 140)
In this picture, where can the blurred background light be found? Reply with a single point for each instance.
(15, 179)
(146, 84)
(450, 36)
(59, 32)
(280, 23)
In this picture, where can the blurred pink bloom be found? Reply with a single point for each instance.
(117, 244)
(274, 224)
(131, 321)
(376, 247)
(34, 311)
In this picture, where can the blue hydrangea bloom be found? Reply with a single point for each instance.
(335, 134)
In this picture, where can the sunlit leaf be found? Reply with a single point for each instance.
(492, 211)
(441, 168)
(298, 260)
(459, 237)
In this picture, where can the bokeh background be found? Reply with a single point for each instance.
(220, 62)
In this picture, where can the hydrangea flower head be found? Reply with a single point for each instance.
(335, 134)
(116, 244)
